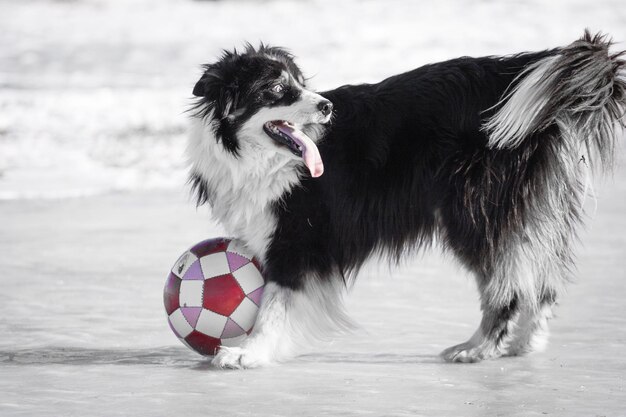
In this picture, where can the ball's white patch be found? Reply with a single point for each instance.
(245, 314)
(183, 263)
(211, 324)
(237, 247)
(191, 293)
(214, 265)
(180, 323)
(249, 278)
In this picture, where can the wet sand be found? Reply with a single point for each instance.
(84, 331)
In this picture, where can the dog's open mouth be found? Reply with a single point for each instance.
(298, 143)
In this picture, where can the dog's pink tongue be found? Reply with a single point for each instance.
(310, 153)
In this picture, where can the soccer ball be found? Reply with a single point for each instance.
(212, 295)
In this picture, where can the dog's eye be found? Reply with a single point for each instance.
(278, 88)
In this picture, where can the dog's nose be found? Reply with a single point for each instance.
(325, 106)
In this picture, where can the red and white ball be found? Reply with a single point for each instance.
(212, 295)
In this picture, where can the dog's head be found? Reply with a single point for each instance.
(257, 99)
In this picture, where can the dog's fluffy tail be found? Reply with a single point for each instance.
(581, 89)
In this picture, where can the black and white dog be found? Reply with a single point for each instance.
(490, 156)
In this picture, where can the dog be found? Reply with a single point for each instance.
(489, 157)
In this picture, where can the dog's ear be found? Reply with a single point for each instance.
(220, 95)
(209, 84)
(200, 88)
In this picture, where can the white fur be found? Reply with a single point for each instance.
(243, 188)
(289, 321)
(531, 332)
(288, 76)
(523, 106)
(477, 348)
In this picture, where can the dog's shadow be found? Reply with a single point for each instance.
(369, 358)
(55, 355)
(175, 357)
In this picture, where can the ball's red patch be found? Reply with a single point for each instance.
(209, 246)
(170, 294)
(203, 344)
(222, 294)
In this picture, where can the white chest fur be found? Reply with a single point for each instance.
(242, 189)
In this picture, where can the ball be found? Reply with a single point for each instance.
(212, 295)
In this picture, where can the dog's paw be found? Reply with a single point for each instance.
(468, 352)
(238, 358)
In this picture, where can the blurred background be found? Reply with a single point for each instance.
(94, 211)
(93, 93)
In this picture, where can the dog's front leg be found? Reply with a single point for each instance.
(289, 320)
(269, 341)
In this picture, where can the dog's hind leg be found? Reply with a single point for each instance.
(518, 290)
(531, 330)
(513, 330)
(508, 286)
(491, 339)
(488, 341)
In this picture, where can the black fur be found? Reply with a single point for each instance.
(200, 189)
(403, 157)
